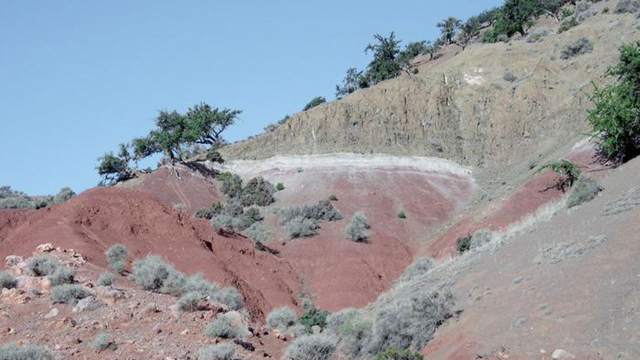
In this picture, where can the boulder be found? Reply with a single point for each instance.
(88, 304)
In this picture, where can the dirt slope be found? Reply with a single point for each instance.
(98, 218)
(178, 186)
(566, 281)
(337, 272)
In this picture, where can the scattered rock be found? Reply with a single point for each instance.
(88, 304)
(151, 308)
(45, 248)
(12, 260)
(111, 296)
(245, 345)
(560, 354)
(53, 313)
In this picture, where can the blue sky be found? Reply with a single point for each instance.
(79, 77)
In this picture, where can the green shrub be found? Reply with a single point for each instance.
(313, 317)
(221, 328)
(566, 12)
(393, 354)
(258, 235)
(116, 256)
(410, 324)
(271, 127)
(284, 119)
(230, 296)
(616, 113)
(63, 195)
(106, 279)
(627, 6)
(300, 227)
(356, 230)
(190, 301)
(584, 190)
(153, 273)
(209, 212)
(102, 342)
(605, 10)
(314, 102)
(303, 222)
(578, 47)
(333, 197)
(281, 318)
(280, 186)
(463, 243)
(42, 265)
(17, 203)
(231, 184)
(567, 171)
(224, 351)
(258, 191)
(7, 281)
(62, 275)
(418, 267)
(24, 352)
(198, 283)
(480, 238)
(402, 215)
(356, 334)
(311, 347)
(68, 294)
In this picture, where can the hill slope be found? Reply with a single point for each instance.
(460, 107)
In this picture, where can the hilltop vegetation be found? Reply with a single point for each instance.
(14, 199)
(177, 136)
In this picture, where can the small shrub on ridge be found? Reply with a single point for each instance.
(68, 294)
(42, 265)
(281, 318)
(62, 275)
(311, 347)
(356, 230)
(106, 279)
(7, 281)
(224, 351)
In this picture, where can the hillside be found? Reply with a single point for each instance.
(460, 107)
(454, 151)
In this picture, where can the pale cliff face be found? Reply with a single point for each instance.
(460, 106)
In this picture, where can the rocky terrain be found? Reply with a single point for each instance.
(455, 149)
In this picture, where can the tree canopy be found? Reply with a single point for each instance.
(174, 132)
(615, 118)
(384, 65)
(449, 28)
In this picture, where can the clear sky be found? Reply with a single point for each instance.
(79, 77)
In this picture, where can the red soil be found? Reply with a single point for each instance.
(178, 186)
(524, 200)
(100, 217)
(340, 273)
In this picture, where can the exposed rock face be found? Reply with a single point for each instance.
(460, 107)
